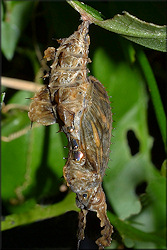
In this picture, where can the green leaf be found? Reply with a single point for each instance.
(37, 168)
(156, 192)
(133, 235)
(88, 9)
(40, 213)
(15, 165)
(16, 18)
(146, 34)
(10, 33)
(153, 216)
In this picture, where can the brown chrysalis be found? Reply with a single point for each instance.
(81, 106)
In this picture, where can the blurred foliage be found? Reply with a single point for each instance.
(32, 164)
(15, 16)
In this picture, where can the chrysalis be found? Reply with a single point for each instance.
(81, 106)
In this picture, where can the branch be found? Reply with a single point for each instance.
(14, 83)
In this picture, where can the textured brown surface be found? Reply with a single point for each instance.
(81, 106)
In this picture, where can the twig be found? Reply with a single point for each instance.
(20, 84)
(18, 134)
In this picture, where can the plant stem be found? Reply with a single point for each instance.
(154, 92)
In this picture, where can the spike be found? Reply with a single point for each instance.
(59, 131)
(65, 158)
(45, 76)
(31, 125)
(29, 98)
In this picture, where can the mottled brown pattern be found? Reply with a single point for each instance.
(81, 106)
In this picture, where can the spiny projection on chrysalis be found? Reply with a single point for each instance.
(81, 106)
